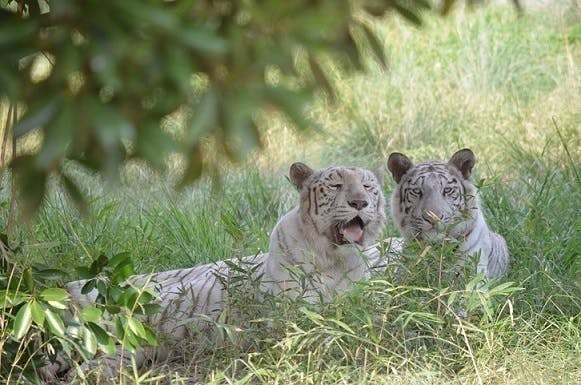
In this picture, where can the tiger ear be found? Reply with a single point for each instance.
(463, 160)
(398, 164)
(299, 172)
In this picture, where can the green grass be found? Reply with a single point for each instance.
(503, 85)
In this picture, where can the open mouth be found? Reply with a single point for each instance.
(350, 232)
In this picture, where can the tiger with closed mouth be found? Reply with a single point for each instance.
(435, 200)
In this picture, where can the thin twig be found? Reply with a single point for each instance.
(3, 147)
(10, 221)
(5, 260)
(5, 135)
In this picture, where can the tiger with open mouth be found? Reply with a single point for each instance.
(328, 235)
(317, 250)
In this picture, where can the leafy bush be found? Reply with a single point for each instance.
(39, 322)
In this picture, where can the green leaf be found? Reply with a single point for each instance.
(179, 68)
(503, 289)
(16, 31)
(51, 274)
(376, 9)
(153, 144)
(99, 263)
(38, 315)
(89, 286)
(204, 116)
(452, 298)
(136, 327)
(108, 347)
(149, 308)
(202, 40)
(122, 272)
(55, 323)
(425, 4)
(113, 309)
(376, 45)
(316, 317)
(109, 124)
(101, 286)
(9, 81)
(28, 280)
(54, 294)
(128, 297)
(194, 167)
(349, 47)
(120, 326)
(10, 298)
(144, 295)
(37, 116)
(321, 78)
(343, 326)
(89, 341)
(103, 338)
(91, 314)
(105, 341)
(138, 10)
(131, 342)
(119, 258)
(118, 291)
(150, 337)
(241, 133)
(407, 14)
(31, 182)
(57, 305)
(75, 194)
(293, 104)
(58, 134)
(446, 6)
(23, 321)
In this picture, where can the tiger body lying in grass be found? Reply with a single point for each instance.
(435, 200)
(317, 250)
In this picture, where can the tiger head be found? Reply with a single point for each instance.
(341, 205)
(433, 200)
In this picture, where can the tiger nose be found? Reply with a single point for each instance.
(358, 204)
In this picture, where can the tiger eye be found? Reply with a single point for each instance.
(448, 190)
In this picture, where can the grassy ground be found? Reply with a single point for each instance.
(503, 85)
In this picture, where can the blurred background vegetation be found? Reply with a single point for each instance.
(97, 84)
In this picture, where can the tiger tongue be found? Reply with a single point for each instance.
(353, 231)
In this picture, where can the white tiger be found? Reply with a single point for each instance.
(340, 213)
(435, 200)
(323, 243)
